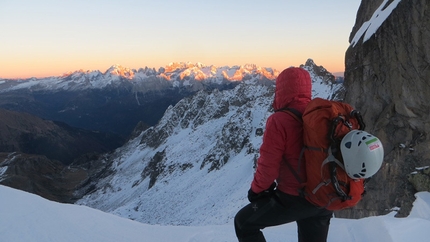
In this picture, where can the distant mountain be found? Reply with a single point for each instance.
(338, 74)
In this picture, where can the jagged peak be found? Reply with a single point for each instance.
(173, 66)
(319, 70)
(310, 62)
(119, 70)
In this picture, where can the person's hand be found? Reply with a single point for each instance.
(252, 196)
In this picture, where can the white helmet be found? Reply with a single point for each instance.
(362, 154)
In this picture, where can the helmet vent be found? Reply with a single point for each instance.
(348, 144)
(363, 171)
(359, 143)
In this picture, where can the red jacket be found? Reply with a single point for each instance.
(282, 140)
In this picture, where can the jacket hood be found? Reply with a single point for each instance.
(293, 86)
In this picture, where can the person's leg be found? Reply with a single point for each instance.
(312, 222)
(314, 229)
(255, 216)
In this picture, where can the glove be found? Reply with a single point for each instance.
(252, 196)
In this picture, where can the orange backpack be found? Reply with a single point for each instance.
(325, 123)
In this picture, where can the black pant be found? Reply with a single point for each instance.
(312, 222)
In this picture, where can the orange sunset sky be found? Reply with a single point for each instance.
(48, 37)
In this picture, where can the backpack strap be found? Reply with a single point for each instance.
(333, 162)
(298, 116)
(357, 115)
(294, 112)
(334, 151)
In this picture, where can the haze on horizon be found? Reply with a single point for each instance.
(48, 38)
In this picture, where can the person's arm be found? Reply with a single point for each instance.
(271, 155)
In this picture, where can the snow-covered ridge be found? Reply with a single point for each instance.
(173, 75)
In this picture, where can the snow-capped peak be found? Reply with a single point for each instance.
(121, 71)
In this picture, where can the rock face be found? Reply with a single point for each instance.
(387, 78)
(40, 175)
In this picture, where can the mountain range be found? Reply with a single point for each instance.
(189, 76)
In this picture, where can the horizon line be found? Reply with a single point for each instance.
(42, 76)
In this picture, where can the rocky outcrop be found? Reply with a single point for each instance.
(420, 179)
(39, 175)
(387, 77)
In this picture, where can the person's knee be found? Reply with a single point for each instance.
(237, 224)
(238, 220)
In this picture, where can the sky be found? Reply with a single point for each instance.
(29, 218)
(52, 37)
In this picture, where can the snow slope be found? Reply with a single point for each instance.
(26, 217)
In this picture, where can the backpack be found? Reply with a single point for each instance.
(325, 123)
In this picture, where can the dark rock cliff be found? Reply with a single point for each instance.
(387, 77)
